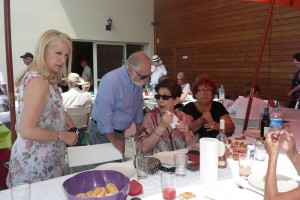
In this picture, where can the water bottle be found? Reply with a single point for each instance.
(222, 93)
(276, 119)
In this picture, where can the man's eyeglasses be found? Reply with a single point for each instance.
(164, 97)
(205, 90)
(141, 77)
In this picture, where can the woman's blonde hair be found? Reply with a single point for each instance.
(181, 75)
(39, 63)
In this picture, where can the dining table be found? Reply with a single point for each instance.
(224, 188)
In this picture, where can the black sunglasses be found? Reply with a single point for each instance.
(141, 77)
(164, 97)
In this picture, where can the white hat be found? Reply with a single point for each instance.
(86, 84)
(75, 78)
(155, 58)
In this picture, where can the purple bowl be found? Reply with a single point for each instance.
(89, 180)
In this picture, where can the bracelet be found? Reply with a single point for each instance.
(156, 133)
(58, 136)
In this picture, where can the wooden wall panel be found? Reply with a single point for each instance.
(222, 38)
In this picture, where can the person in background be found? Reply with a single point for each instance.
(273, 143)
(206, 113)
(122, 103)
(75, 97)
(39, 150)
(295, 91)
(87, 72)
(186, 88)
(27, 58)
(3, 83)
(157, 133)
(157, 70)
(86, 86)
(4, 109)
(239, 107)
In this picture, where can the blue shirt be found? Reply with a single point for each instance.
(118, 102)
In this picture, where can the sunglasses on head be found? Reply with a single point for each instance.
(164, 97)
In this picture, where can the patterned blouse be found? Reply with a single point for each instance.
(171, 139)
(33, 161)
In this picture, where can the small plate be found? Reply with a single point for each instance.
(284, 183)
(252, 133)
(166, 157)
(124, 168)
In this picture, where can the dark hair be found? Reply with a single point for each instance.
(297, 57)
(204, 80)
(171, 85)
(248, 89)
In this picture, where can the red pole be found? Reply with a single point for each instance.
(261, 51)
(10, 76)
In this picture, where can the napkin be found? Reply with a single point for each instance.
(174, 121)
(209, 159)
(135, 188)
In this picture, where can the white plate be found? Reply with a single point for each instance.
(252, 133)
(166, 157)
(284, 183)
(124, 168)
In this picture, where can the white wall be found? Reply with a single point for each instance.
(81, 19)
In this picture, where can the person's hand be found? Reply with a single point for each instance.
(290, 93)
(207, 117)
(166, 119)
(272, 143)
(69, 138)
(183, 126)
(287, 141)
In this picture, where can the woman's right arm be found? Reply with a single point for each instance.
(149, 141)
(32, 111)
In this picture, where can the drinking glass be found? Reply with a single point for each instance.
(142, 166)
(245, 164)
(180, 160)
(21, 191)
(168, 181)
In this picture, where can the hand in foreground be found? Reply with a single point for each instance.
(69, 138)
(280, 139)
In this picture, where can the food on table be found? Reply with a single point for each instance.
(81, 195)
(186, 196)
(236, 148)
(241, 137)
(109, 189)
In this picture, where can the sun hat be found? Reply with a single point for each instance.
(86, 84)
(155, 58)
(75, 78)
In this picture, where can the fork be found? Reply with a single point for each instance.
(242, 187)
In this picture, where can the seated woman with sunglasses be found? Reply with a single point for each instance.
(156, 133)
(205, 112)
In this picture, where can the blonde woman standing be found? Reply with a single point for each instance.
(38, 152)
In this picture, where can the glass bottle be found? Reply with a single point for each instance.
(223, 143)
(265, 123)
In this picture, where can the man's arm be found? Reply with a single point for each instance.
(116, 141)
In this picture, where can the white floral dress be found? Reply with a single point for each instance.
(33, 161)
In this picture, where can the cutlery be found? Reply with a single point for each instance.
(242, 187)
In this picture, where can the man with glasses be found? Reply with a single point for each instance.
(119, 101)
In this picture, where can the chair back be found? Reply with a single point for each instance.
(253, 123)
(92, 154)
(80, 115)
